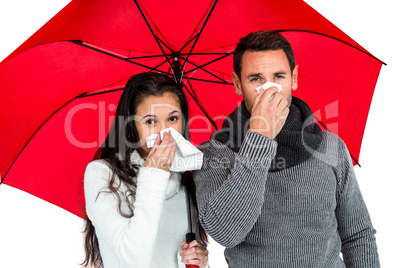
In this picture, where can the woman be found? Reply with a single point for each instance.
(136, 208)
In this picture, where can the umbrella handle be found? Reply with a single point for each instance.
(190, 237)
(191, 266)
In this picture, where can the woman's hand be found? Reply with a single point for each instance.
(162, 153)
(194, 253)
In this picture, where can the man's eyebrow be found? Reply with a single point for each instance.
(280, 73)
(254, 75)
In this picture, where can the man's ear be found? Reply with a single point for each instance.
(237, 84)
(294, 77)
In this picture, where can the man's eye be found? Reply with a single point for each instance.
(279, 76)
(254, 79)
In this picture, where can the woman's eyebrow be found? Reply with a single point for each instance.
(149, 115)
(172, 112)
(153, 116)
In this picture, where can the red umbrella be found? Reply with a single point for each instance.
(60, 87)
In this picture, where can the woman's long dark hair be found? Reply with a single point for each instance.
(122, 140)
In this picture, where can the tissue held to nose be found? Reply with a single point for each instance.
(268, 85)
(187, 156)
(151, 139)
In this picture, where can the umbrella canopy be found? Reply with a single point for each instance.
(61, 87)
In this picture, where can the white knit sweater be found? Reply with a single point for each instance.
(152, 237)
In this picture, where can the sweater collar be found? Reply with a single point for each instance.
(174, 182)
(299, 133)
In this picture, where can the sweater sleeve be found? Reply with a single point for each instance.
(131, 239)
(230, 187)
(355, 229)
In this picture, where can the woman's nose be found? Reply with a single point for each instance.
(161, 127)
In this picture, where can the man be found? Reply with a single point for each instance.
(274, 189)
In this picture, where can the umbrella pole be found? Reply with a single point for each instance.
(190, 236)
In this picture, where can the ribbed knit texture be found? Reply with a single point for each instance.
(300, 216)
(297, 138)
(152, 236)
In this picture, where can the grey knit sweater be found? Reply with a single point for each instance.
(300, 216)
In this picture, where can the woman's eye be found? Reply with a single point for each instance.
(173, 118)
(150, 122)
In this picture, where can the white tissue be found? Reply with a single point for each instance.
(187, 156)
(268, 85)
(152, 138)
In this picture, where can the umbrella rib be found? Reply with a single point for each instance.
(143, 12)
(145, 57)
(202, 54)
(33, 135)
(224, 56)
(80, 43)
(84, 95)
(195, 30)
(171, 55)
(198, 36)
(205, 70)
(153, 34)
(337, 39)
(209, 81)
(355, 160)
(202, 109)
(163, 62)
(186, 44)
(194, 96)
(201, 66)
(111, 90)
(163, 43)
(322, 124)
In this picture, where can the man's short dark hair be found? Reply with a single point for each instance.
(262, 41)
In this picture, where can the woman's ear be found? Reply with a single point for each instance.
(237, 84)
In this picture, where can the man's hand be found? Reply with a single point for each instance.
(269, 115)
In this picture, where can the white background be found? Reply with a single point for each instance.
(34, 233)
